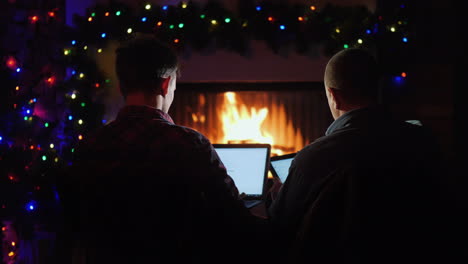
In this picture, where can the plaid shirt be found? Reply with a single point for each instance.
(148, 180)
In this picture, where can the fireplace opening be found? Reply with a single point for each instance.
(286, 115)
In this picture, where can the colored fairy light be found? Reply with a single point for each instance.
(56, 159)
(80, 122)
(104, 121)
(70, 117)
(143, 19)
(34, 19)
(245, 24)
(93, 14)
(227, 20)
(82, 75)
(400, 23)
(17, 88)
(259, 8)
(11, 253)
(50, 80)
(345, 46)
(73, 72)
(72, 150)
(28, 111)
(18, 69)
(129, 30)
(359, 41)
(392, 29)
(90, 19)
(83, 104)
(51, 145)
(51, 14)
(99, 50)
(398, 79)
(31, 205)
(1, 138)
(30, 118)
(282, 27)
(405, 39)
(202, 16)
(368, 32)
(46, 124)
(73, 42)
(181, 25)
(80, 137)
(148, 7)
(403, 74)
(44, 157)
(300, 19)
(313, 8)
(66, 52)
(103, 35)
(107, 80)
(11, 63)
(25, 118)
(107, 14)
(214, 22)
(159, 24)
(176, 41)
(270, 19)
(338, 30)
(118, 13)
(165, 7)
(13, 244)
(171, 26)
(97, 85)
(3, 228)
(184, 5)
(73, 96)
(85, 47)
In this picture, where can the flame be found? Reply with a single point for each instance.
(243, 125)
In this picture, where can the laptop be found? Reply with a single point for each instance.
(280, 165)
(247, 164)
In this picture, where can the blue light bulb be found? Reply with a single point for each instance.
(259, 8)
(143, 19)
(103, 35)
(282, 27)
(164, 7)
(73, 42)
(70, 117)
(405, 40)
(18, 69)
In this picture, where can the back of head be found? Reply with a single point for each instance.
(355, 74)
(141, 63)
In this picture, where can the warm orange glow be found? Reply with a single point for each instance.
(13, 243)
(3, 229)
(251, 124)
(90, 19)
(97, 85)
(17, 88)
(106, 14)
(11, 254)
(51, 14)
(270, 19)
(31, 147)
(11, 62)
(313, 8)
(159, 24)
(34, 19)
(403, 74)
(300, 19)
(176, 40)
(51, 80)
(80, 137)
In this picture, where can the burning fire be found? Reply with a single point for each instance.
(241, 125)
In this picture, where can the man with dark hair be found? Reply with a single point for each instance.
(144, 190)
(365, 192)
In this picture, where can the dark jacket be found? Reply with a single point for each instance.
(367, 192)
(144, 190)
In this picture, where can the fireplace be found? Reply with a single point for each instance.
(286, 115)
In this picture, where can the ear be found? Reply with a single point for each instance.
(165, 86)
(335, 98)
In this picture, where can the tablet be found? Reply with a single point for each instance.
(280, 165)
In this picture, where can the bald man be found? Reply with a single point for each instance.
(364, 192)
